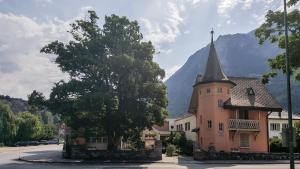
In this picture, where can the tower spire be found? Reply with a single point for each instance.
(212, 35)
(214, 71)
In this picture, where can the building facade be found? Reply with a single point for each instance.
(186, 124)
(231, 112)
(278, 122)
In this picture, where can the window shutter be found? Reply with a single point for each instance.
(244, 140)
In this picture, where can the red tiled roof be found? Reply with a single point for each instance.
(164, 127)
(261, 99)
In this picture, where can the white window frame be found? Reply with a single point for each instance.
(275, 126)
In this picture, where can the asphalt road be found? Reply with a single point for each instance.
(9, 156)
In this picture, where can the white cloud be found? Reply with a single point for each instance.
(226, 5)
(247, 4)
(167, 32)
(171, 71)
(22, 67)
(166, 51)
(167, 29)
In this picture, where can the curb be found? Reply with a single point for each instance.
(147, 162)
(92, 162)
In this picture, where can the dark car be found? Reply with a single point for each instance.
(33, 143)
(44, 142)
(22, 143)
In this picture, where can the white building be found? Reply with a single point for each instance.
(278, 121)
(187, 123)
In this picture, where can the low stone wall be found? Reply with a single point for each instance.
(201, 155)
(77, 153)
(81, 152)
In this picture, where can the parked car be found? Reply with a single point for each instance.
(44, 142)
(21, 143)
(33, 143)
(53, 141)
(27, 143)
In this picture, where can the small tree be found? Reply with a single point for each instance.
(7, 124)
(29, 127)
(49, 131)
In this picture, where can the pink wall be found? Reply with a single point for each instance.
(224, 140)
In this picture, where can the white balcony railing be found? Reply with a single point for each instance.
(242, 124)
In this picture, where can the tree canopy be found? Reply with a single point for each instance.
(273, 30)
(29, 127)
(8, 126)
(114, 87)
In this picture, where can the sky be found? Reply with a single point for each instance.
(177, 28)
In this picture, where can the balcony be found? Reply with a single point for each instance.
(244, 125)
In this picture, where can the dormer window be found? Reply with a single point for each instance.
(250, 91)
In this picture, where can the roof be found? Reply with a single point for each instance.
(213, 71)
(240, 98)
(282, 115)
(184, 116)
(164, 127)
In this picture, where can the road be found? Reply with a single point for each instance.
(8, 160)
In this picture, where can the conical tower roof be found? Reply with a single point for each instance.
(214, 71)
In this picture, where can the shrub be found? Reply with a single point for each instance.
(1, 144)
(188, 148)
(275, 145)
(171, 150)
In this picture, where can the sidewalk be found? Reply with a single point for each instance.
(55, 157)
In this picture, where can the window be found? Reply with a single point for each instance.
(93, 140)
(285, 125)
(221, 127)
(243, 114)
(208, 90)
(250, 91)
(244, 140)
(199, 92)
(220, 103)
(275, 126)
(104, 140)
(219, 90)
(179, 127)
(187, 126)
(209, 124)
(98, 140)
(228, 91)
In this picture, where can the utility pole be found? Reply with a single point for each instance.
(288, 80)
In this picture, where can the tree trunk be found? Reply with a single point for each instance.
(113, 142)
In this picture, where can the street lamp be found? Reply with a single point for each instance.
(288, 73)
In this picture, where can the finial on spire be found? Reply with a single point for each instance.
(212, 35)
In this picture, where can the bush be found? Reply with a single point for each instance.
(188, 148)
(171, 150)
(178, 139)
(275, 145)
(1, 144)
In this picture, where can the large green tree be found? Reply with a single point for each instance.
(8, 127)
(273, 30)
(29, 127)
(114, 86)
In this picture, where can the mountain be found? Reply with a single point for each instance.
(240, 55)
(17, 105)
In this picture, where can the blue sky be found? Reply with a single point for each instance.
(178, 28)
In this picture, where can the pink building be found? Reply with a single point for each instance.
(231, 112)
